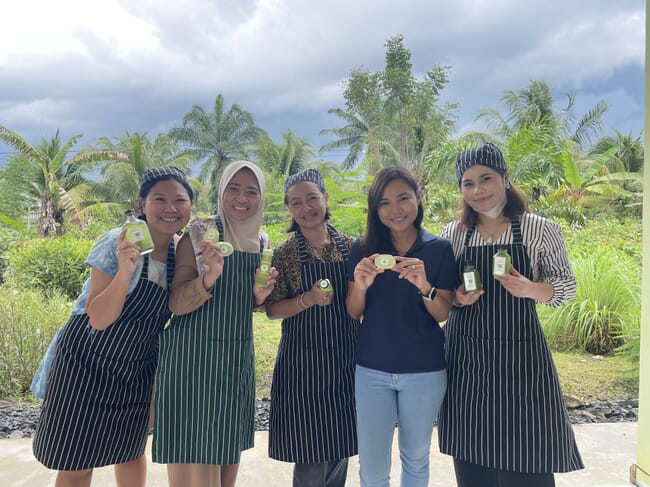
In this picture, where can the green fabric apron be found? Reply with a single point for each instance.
(205, 383)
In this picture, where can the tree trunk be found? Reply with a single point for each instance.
(46, 225)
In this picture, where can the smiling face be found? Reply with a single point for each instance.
(483, 188)
(307, 204)
(241, 198)
(167, 206)
(398, 206)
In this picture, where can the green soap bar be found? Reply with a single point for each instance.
(384, 261)
(225, 248)
(211, 235)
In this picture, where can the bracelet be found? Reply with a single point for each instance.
(300, 302)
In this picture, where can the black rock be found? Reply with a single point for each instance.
(18, 420)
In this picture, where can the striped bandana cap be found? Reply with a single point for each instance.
(162, 172)
(309, 175)
(486, 155)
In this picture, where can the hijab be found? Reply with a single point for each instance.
(243, 235)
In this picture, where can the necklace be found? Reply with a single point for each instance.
(491, 235)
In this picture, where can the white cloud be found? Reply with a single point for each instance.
(141, 64)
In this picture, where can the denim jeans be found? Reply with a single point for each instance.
(410, 400)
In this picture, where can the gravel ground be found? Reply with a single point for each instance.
(18, 420)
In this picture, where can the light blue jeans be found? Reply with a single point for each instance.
(410, 400)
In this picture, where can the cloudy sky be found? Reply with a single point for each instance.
(100, 68)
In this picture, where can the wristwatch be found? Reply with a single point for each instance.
(430, 296)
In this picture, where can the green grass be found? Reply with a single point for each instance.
(590, 379)
(267, 337)
(581, 376)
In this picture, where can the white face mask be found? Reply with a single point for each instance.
(496, 211)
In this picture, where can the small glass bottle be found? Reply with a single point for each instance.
(501, 263)
(265, 267)
(471, 279)
(325, 286)
(137, 232)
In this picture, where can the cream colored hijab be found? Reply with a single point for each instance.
(243, 235)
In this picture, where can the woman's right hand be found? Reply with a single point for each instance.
(127, 254)
(365, 272)
(462, 298)
(213, 258)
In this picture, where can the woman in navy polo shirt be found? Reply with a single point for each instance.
(400, 373)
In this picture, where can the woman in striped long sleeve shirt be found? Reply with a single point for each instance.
(504, 420)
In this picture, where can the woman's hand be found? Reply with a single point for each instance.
(316, 297)
(213, 258)
(462, 298)
(262, 292)
(365, 273)
(521, 287)
(127, 254)
(413, 271)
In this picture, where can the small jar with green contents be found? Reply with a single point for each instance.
(265, 267)
(471, 279)
(501, 263)
(137, 232)
(325, 286)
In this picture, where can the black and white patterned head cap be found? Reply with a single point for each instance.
(152, 176)
(309, 175)
(486, 155)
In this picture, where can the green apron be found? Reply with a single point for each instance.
(205, 383)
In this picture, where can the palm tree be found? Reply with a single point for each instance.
(589, 176)
(285, 158)
(51, 176)
(629, 156)
(534, 104)
(118, 189)
(216, 138)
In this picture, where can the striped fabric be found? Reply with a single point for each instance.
(504, 406)
(99, 391)
(544, 247)
(312, 417)
(205, 383)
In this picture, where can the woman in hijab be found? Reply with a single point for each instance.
(205, 385)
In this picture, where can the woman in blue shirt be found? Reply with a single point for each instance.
(400, 364)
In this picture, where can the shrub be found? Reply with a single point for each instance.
(28, 320)
(606, 308)
(50, 263)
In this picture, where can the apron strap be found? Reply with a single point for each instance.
(334, 236)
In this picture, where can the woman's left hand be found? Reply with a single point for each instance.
(412, 270)
(516, 284)
(262, 292)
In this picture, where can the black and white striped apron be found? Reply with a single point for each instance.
(504, 407)
(312, 417)
(205, 384)
(96, 410)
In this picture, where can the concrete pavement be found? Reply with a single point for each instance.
(608, 451)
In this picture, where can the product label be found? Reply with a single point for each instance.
(470, 281)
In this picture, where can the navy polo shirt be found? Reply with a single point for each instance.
(397, 333)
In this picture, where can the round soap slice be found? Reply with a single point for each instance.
(225, 248)
(384, 261)
(212, 235)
